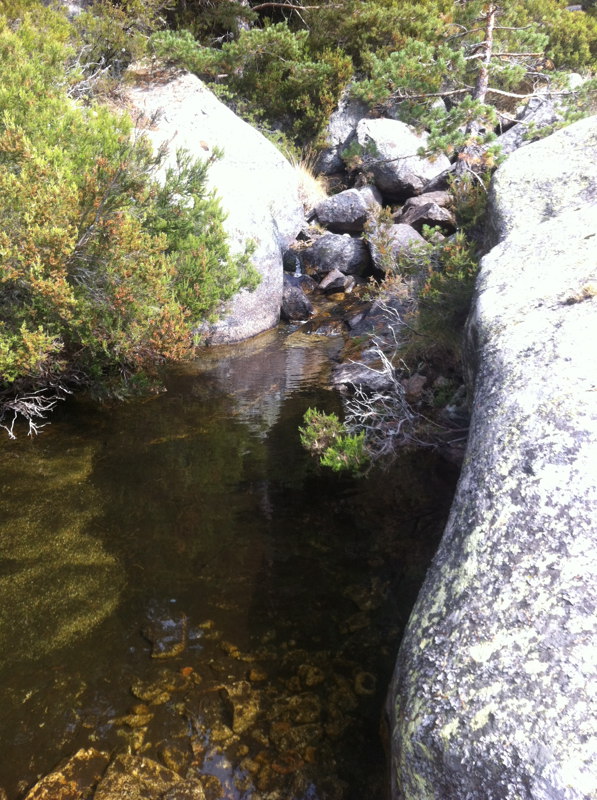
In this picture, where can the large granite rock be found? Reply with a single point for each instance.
(338, 251)
(256, 184)
(388, 242)
(390, 152)
(539, 182)
(493, 693)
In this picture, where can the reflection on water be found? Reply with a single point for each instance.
(178, 579)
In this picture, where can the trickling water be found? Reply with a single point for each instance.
(179, 579)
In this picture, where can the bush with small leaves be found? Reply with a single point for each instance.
(104, 273)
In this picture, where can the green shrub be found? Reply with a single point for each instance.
(103, 273)
(364, 27)
(326, 437)
(271, 71)
(209, 21)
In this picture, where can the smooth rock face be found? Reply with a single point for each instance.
(493, 694)
(256, 184)
(390, 154)
(537, 183)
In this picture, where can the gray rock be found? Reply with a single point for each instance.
(539, 112)
(341, 128)
(345, 212)
(388, 242)
(441, 182)
(390, 155)
(256, 184)
(537, 183)
(372, 196)
(542, 110)
(427, 214)
(295, 303)
(441, 198)
(291, 261)
(336, 251)
(336, 281)
(493, 693)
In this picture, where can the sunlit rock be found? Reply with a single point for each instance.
(493, 695)
(390, 152)
(257, 186)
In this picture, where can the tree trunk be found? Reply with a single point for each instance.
(482, 82)
(471, 155)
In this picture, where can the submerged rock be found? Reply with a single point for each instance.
(74, 779)
(137, 778)
(168, 635)
(245, 705)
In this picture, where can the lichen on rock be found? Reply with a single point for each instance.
(491, 697)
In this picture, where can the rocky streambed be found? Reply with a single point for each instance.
(190, 606)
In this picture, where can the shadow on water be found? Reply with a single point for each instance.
(179, 579)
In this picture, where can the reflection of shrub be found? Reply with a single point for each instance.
(271, 69)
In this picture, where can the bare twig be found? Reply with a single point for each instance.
(290, 6)
(32, 407)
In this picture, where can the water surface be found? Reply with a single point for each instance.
(179, 579)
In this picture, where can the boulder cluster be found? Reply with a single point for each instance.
(351, 239)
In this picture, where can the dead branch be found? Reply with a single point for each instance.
(478, 30)
(261, 6)
(32, 407)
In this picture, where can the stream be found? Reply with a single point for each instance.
(179, 579)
